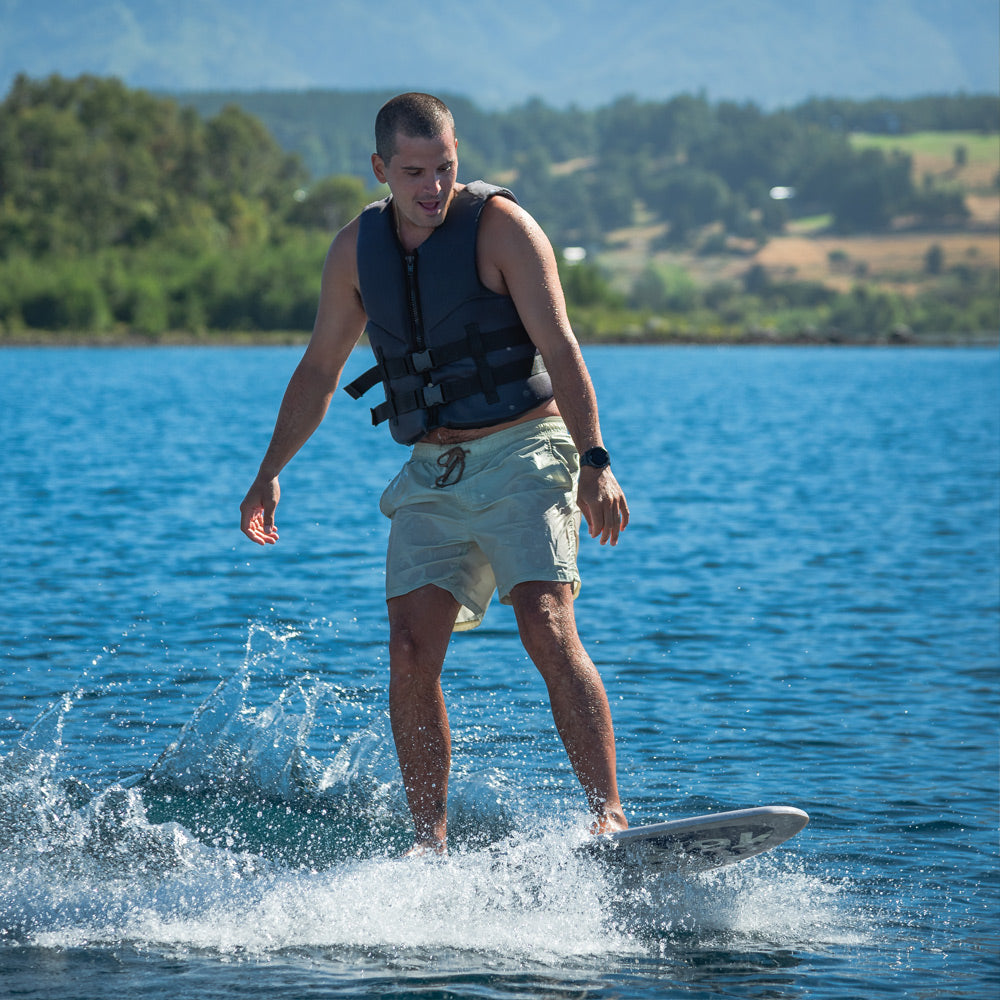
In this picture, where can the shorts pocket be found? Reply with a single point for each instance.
(564, 465)
(389, 502)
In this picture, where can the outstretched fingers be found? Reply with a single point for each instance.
(604, 507)
(258, 530)
(257, 512)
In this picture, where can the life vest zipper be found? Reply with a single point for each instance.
(416, 318)
(414, 299)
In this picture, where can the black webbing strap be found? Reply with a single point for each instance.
(442, 393)
(372, 377)
(363, 383)
(487, 381)
(423, 361)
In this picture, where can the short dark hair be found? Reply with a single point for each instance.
(419, 116)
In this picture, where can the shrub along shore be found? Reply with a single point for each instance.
(666, 338)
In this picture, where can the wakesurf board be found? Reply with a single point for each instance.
(698, 843)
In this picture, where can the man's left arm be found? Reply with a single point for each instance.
(515, 246)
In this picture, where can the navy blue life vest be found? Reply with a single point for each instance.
(448, 351)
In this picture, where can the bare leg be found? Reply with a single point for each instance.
(579, 703)
(420, 627)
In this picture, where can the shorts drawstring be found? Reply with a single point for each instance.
(451, 460)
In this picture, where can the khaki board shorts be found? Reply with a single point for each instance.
(504, 514)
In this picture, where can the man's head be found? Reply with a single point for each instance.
(416, 157)
(419, 116)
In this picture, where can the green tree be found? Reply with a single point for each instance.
(88, 163)
(934, 259)
(688, 197)
(328, 204)
(586, 284)
(661, 288)
(864, 190)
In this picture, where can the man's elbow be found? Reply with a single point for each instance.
(561, 353)
(316, 378)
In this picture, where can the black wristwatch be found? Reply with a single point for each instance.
(597, 458)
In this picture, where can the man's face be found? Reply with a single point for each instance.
(421, 176)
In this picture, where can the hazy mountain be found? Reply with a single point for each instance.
(774, 52)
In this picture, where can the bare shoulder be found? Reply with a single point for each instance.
(340, 317)
(343, 252)
(515, 258)
(504, 219)
(510, 244)
(341, 286)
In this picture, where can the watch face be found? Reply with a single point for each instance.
(597, 457)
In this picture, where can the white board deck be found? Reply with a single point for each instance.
(697, 843)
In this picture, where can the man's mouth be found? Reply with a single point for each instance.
(429, 206)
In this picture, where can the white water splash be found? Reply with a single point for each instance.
(95, 868)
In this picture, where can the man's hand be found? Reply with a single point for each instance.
(603, 504)
(257, 511)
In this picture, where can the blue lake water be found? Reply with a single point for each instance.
(198, 792)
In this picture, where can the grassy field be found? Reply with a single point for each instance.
(897, 259)
(936, 154)
(809, 251)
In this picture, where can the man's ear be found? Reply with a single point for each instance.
(378, 168)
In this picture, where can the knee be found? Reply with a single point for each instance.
(412, 660)
(404, 648)
(547, 627)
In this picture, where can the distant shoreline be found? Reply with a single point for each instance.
(753, 338)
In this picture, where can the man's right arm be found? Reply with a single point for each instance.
(340, 321)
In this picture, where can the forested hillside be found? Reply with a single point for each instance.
(686, 161)
(121, 210)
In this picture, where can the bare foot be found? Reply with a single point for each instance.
(427, 847)
(609, 823)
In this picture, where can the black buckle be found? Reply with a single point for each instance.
(421, 361)
(433, 395)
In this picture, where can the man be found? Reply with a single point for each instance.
(458, 290)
